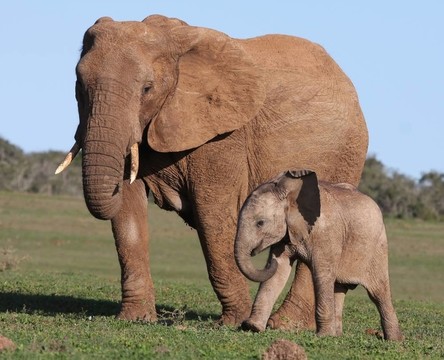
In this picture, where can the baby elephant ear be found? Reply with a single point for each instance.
(306, 195)
(296, 174)
(309, 200)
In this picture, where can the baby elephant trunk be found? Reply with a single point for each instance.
(243, 254)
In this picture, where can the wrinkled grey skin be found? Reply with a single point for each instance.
(336, 230)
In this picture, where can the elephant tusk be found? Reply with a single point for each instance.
(134, 162)
(68, 159)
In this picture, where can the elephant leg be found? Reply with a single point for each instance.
(267, 295)
(297, 310)
(130, 229)
(229, 284)
(340, 291)
(379, 293)
(324, 288)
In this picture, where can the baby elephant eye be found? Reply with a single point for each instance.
(260, 223)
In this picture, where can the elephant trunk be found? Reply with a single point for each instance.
(243, 252)
(106, 144)
(102, 177)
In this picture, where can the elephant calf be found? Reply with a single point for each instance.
(333, 228)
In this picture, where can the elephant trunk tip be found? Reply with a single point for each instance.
(103, 205)
(101, 213)
(270, 270)
(256, 275)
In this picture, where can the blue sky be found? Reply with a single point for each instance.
(393, 51)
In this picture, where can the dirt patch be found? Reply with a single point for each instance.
(6, 344)
(284, 350)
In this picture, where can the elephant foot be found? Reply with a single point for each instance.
(251, 325)
(327, 328)
(137, 312)
(395, 335)
(235, 316)
(292, 317)
(322, 333)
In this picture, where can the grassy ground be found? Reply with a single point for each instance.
(60, 290)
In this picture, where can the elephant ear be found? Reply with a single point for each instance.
(219, 89)
(304, 201)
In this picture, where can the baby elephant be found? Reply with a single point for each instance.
(333, 228)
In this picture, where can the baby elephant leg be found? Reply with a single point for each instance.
(325, 305)
(380, 294)
(267, 295)
(298, 309)
(340, 291)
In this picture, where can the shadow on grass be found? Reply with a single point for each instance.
(56, 304)
(168, 315)
(59, 304)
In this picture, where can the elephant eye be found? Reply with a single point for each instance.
(146, 89)
(260, 223)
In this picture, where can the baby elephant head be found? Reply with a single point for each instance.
(288, 204)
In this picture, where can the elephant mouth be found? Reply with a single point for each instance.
(134, 154)
(257, 250)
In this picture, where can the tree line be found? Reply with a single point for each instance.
(401, 196)
(34, 172)
(397, 195)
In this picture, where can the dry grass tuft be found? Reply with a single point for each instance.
(9, 260)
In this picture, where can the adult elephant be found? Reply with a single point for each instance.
(200, 119)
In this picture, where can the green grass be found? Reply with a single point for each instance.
(60, 290)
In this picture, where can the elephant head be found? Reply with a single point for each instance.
(159, 81)
(285, 207)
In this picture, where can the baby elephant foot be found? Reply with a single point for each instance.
(251, 325)
(137, 312)
(329, 330)
(395, 335)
